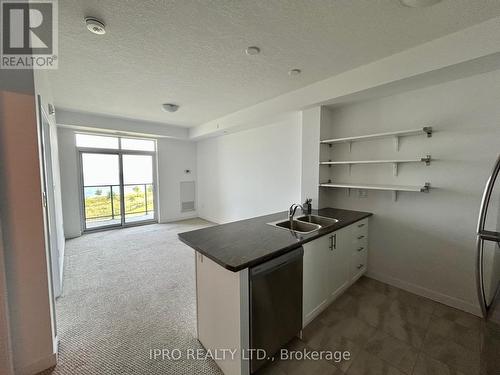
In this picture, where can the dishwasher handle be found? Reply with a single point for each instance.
(276, 263)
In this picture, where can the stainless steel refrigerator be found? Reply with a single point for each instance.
(488, 272)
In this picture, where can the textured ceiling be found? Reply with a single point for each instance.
(192, 52)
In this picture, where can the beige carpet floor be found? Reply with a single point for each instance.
(125, 292)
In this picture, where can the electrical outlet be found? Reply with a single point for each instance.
(362, 193)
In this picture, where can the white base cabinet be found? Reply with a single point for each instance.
(331, 264)
(359, 251)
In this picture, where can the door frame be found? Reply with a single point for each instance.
(50, 201)
(42, 119)
(119, 152)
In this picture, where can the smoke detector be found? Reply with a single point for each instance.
(294, 72)
(95, 26)
(170, 107)
(253, 50)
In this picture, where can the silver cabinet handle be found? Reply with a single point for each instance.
(360, 266)
(361, 225)
(333, 242)
(361, 249)
(361, 237)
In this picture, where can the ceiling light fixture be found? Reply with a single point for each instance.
(294, 72)
(252, 50)
(419, 3)
(95, 26)
(170, 107)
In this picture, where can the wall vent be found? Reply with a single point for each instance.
(187, 189)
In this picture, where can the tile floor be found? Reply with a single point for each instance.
(388, 331)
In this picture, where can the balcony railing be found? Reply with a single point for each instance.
(103, 201)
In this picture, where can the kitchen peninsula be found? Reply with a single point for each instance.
(258, 283)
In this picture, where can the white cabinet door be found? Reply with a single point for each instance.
(331, 264)
(315, 284)
(340, 253)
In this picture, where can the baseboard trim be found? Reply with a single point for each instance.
(428, 293)
(211, 219)
(194, 215)
(38, 366)
(61, 264)
(56, 345)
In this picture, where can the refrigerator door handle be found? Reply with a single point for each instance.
(489, 236)
(483, 235)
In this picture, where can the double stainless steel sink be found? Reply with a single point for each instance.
(305, 224)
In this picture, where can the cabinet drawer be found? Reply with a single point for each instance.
(359, 249)
(360, 241)
(360, 228)
(358, 264)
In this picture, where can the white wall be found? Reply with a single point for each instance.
(91, 121)
(174, 157)
(23, 234)
(423, 242)
(311, 127)
(250, 173)
(69, 182)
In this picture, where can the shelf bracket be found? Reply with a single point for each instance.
(426, 160)
(350, 146)
(426, 188)
(348, 192)
(428, 130)
(395, 195)
(396, 143)
(349, 165)
(395, 169)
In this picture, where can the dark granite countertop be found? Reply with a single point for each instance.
(247, 243)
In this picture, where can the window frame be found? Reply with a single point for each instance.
(119, 138)
(120, 152)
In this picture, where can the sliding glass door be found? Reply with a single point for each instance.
(118, 188)
(101, 190)
(138, 187)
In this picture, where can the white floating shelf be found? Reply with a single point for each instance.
(344, 162)
(424, 188)
(395, 162)
(393, 188)
(425, 130)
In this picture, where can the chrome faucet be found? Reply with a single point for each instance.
(291, 212)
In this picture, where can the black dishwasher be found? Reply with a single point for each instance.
(275, 304)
